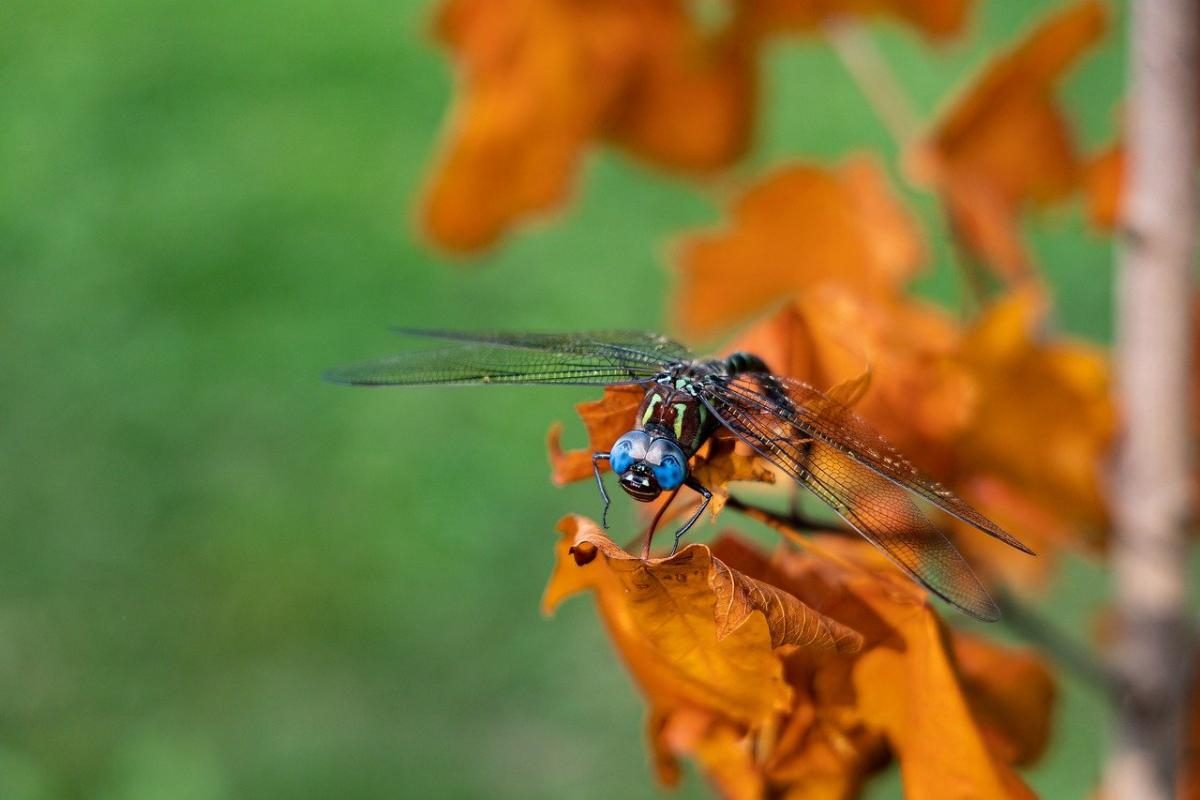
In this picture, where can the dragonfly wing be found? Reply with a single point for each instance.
(471, 363)
(813, 414)
(875, 507)
(632, 345)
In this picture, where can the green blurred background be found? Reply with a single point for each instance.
(220, 577)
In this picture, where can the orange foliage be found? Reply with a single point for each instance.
(1103, 179)
(605, 419)
(803, 673)
(1045, 416)
(1018, 422)
(693, 631)
(918, 397)
(803, 225)
(540, 79)
(1005, 144)
(1011, 693)
(873, 675)
(934, 18)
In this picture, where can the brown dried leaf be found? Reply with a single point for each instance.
(935, 19)
(1104, 177)
(1005, 144)
(916, 395)
(1011, 692)
(802, 226)
(694, 632)
(905, 693)
(606, 420)
(1045, 418)
(540, 80)
(722, 464)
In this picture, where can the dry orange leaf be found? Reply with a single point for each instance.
(692, 105)
(1011, 692)
(693, 632)
(722, 464)
(1103, 178)
(606, 420)
(1018, 423)
(919, 398)
(1045, 418)
(802, 226)
(1005, 143)
(540, 79)
(948, 709)
(1043, 528)
(934, 18)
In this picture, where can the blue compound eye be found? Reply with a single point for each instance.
(670, 467)
(629, 448)
(669, 473)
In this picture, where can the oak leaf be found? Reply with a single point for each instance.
(1005, 144)
(1011, 692)
(722, 463)
(1104, 178)
(693, 632)
(919, 396)
(539, 80)
(1045, 419)
(1016, 421)
(606, 420)
(935, 19)
(945, 707)
(799, 227)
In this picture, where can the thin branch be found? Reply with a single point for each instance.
(896, 110)
(795, 522)
(1151, 498)
(1034, 629)
(874, 76)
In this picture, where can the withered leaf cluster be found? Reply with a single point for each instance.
(800, 674)
(802, 671)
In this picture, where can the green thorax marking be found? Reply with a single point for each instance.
(680, 411)
(673, 407)
(654, 401)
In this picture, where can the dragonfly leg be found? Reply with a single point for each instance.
(703, 491)
(654, 523)
(596, 459)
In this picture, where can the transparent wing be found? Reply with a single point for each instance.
(636, 345)
(809, 413)
(874, 506)
(515, 358)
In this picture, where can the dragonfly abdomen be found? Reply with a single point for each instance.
(740, 363)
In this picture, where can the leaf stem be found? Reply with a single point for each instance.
(1034, 629)
(874, 76)
(794, 522)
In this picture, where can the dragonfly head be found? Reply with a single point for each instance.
(648, 463)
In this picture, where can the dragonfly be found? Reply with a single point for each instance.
(805, 433)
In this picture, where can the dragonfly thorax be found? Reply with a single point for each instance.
(672, 405)
(648, 462)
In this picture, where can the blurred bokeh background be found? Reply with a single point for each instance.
(220, 577)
